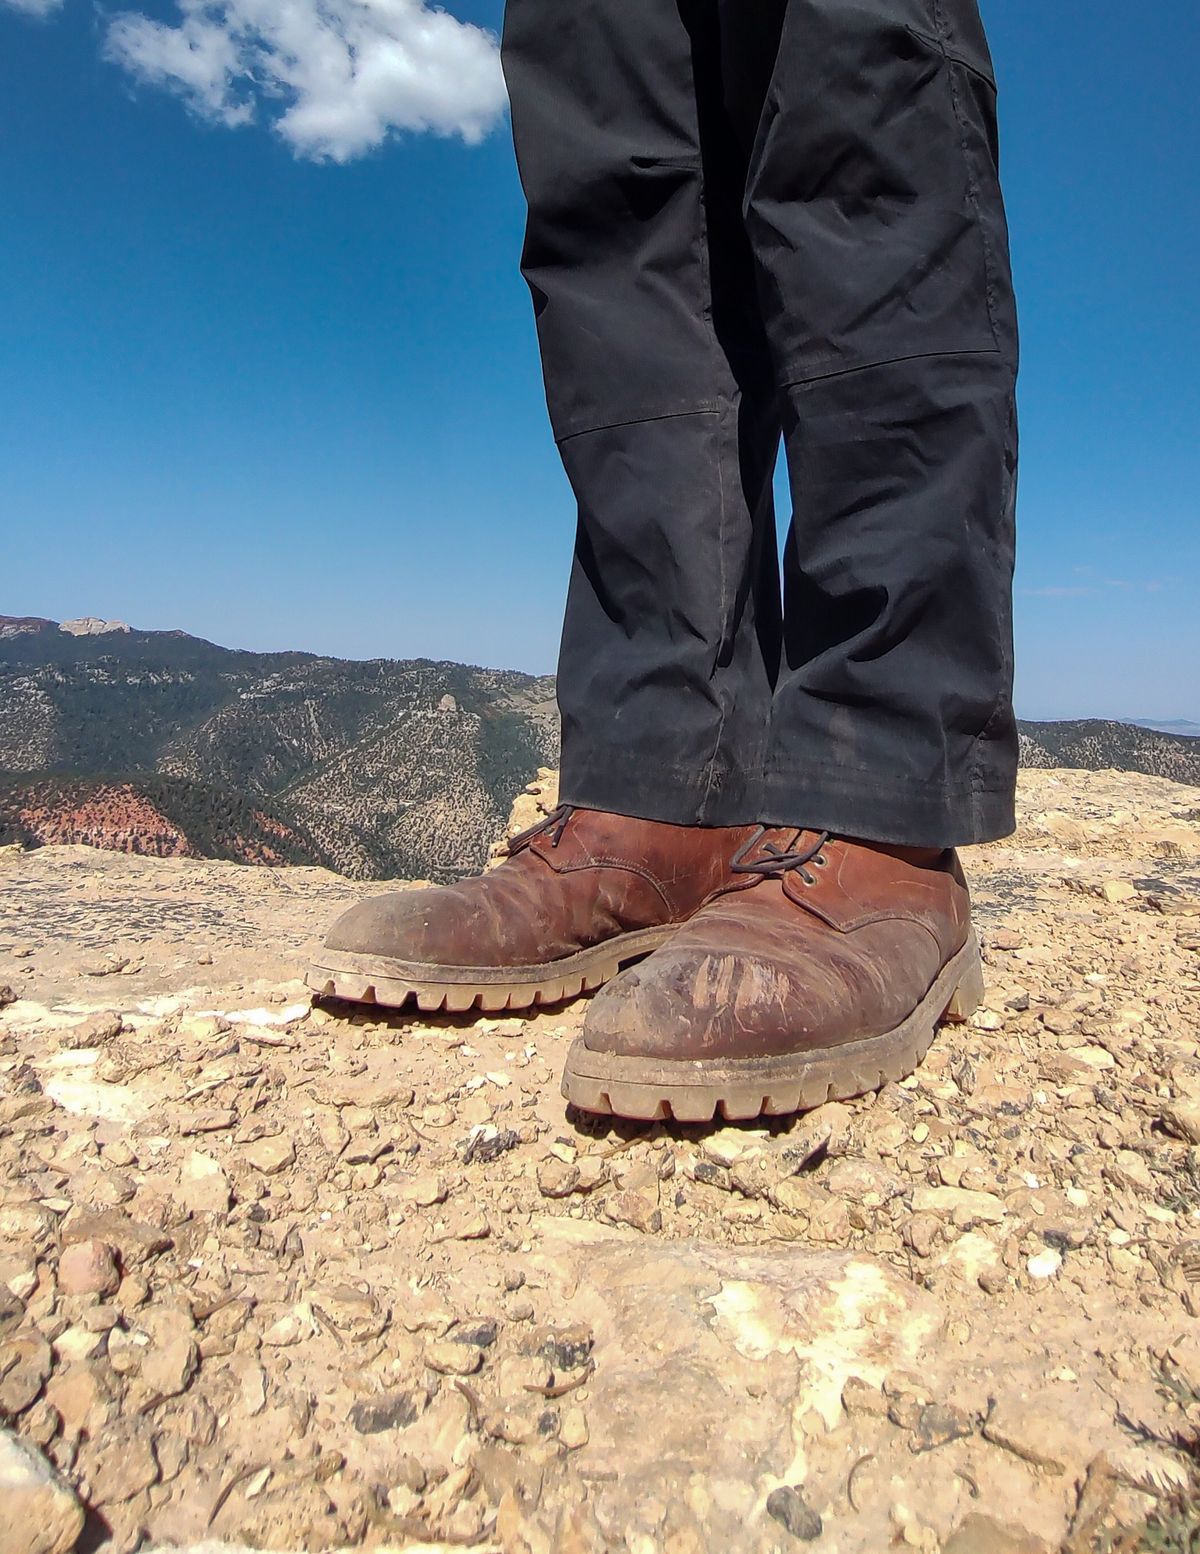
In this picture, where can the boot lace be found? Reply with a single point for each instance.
(553, 825)
(779, 861)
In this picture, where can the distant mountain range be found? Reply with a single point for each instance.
(1168, 726)
(159, 742)
(1098, 745)
(162, 743)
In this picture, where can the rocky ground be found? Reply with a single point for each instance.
(303, 1278)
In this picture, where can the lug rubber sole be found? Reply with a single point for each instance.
(378, 979)
(653, 1089)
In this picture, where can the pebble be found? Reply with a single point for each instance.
(1044, 1265)
(634, 1208)
(453, 1359)
(788, 1507)
(959, 1203)
(88, 1268)
(270, 1156)
(96, 1031)
(203, 1184)
(168, 1368)
(557, 1178)
(1182, 1118)
(388, 1411)
(573, 1431)
(39, 1512)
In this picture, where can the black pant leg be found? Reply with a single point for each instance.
(875, 212)
(661, 398)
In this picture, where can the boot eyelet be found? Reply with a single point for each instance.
(821, 861)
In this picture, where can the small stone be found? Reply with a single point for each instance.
(388, 1411)
(39, 1513)
(168, 1368)
(18, 1274)
(632, 1208)
(959, 1203)
(41, 1423)
(270, 1156)
(7, 996)
(556, 1178)
(1182, 1118)
(122, 1463)
(1044, 1265)
(203, 1185)
(724, 1147)
(472, 1227)
(573, 1431)
(288, 1329)
(77, 1343)
(88, 1268)
(425, 1191)
(937, 1425)
(25, 1363)
(482, 1334)
(453, 1359)
(860, 1397)
(788, 1507)
(82, 1396)
(593, 1173)
(355, 1313)
(96, 1031)
(1115, 891)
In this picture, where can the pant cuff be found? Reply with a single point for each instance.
(901, 814)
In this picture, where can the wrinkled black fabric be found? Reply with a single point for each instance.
(749, 217)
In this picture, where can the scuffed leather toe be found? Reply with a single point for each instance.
(754, 974)
(408, 925)
(687, 1003)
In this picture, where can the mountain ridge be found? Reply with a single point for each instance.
(147, 741)
(375, 768)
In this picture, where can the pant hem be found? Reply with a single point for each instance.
(898, 813)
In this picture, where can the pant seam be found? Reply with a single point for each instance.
(1003, 705)
(706, 407)
(802, 379)
(722, 518)
(969, 168)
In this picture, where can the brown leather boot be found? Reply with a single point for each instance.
(820, 969)
(579, 895)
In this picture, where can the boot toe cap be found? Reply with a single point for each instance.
(692, 1005)
(396, 925)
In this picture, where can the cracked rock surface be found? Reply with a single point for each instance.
(296, 1278)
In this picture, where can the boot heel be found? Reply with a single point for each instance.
(968, 995)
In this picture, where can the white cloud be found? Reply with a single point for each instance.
(337, 77)
(33, 7)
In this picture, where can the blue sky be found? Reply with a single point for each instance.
(267, 380)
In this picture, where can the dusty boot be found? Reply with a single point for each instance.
(579, 895)
(820, 970)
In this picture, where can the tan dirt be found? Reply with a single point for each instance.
(300, 1278)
